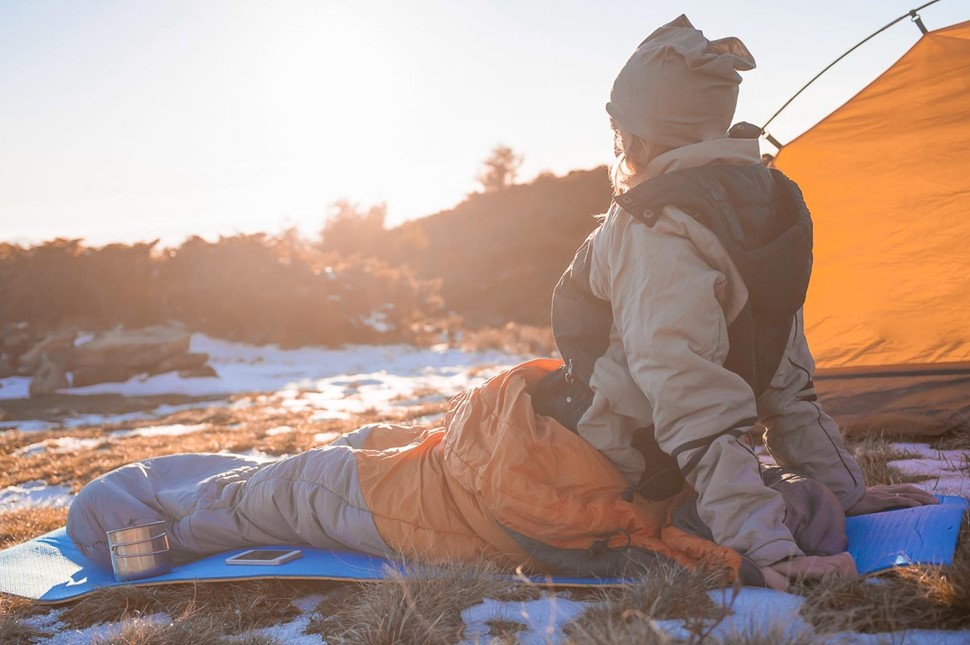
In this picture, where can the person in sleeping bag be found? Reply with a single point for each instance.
(680, 321)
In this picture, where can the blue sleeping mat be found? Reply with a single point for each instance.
(50, 569)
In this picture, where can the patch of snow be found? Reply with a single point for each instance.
(543, 618)
(83, 338)
(254, 453)
(28, 426)
(329, 415)
(163, 410)
(324, 438)
(377, 320)
(335, 398)
(15, 387)
(48, 622)
(98, 420)
(754, 610)
(759, 611)
(272, 432)
(92, 420)
(310, 602)
(172, 430)
(33, 494)
(945, 471)
(59, 445)
(64, 635)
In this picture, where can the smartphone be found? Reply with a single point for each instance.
(266, 557)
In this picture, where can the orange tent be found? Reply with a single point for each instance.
(887, 180)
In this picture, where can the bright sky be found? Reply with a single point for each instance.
(124, 121)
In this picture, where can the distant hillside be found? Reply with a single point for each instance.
(499, 254)
(492, 259)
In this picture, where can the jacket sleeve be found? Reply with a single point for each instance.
(674, 334)
(799, 434)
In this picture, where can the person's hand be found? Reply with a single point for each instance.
(780, 574)
(885, 497)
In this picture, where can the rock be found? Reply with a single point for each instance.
(139, 349)
(83, 376)
(203, 371)
(50, 376)
(180, 362)
(55, 347)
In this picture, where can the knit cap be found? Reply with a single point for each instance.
(679, 87)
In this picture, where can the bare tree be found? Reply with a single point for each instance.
(499, 169)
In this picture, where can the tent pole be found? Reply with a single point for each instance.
(912, 14)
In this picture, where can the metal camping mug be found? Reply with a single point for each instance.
(140, 551)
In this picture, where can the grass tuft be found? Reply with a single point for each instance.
(626, 615)
(421, 606)
(957, 438)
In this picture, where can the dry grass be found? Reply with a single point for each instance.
(25, 524)
(232, 607)
(774, 635)
(875, 455)
(957, 438)
(504, 632)
(191, 629)
(420, 607)
(13, 631)
(625, 615)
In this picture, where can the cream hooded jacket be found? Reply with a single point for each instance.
(673, 291)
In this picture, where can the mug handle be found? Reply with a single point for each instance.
(112, 547)
(138, 555)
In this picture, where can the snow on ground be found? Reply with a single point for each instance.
(172, 430)
(14, 387)
(255, 453)
(90, 420)
(543, 618)
(61, 634)
(326, 383)
(33, 494)
(753, 611)
(60, 444)
(946, 470)
(250, 368)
